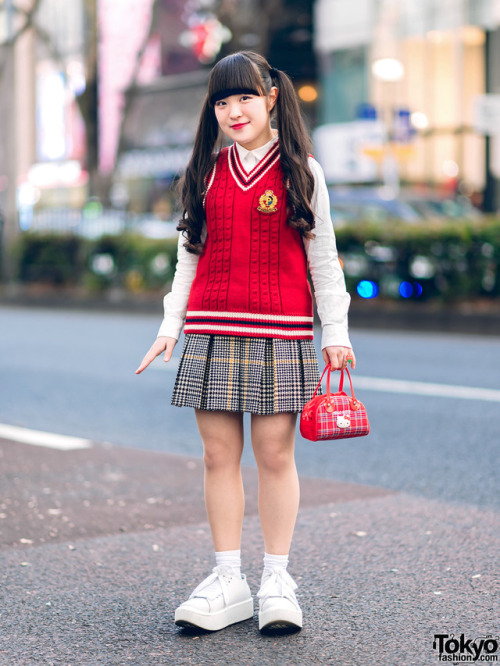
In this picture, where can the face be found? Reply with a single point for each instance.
(246, 118)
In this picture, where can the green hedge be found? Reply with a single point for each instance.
(129, 261)
(450, 260)
(456, 260)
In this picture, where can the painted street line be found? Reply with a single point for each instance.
(424, 388)
(391, 385)
(50, 440)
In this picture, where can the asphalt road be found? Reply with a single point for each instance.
(396, 539)
(73, 373)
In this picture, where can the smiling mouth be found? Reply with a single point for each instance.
(238, 125)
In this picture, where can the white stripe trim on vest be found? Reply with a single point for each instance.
(275, 332)
(250, 315)
(210, 182)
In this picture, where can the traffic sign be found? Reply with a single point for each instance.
(486, 117)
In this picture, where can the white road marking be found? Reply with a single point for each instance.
(424, 388)
(38, 438)
(392, 385)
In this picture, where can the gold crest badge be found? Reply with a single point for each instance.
(268, 202)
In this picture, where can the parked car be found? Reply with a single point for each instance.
(103, 222)
(378, 205)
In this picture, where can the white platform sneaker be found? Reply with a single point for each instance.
(223, 598)
(278, 606)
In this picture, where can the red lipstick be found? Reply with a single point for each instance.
(238, 126)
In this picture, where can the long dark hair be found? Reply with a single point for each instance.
(250, 71)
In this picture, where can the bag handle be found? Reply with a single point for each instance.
(341, 382)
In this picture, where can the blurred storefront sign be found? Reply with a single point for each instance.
(346, 151)
(57, 174)
(487, 121)
(51, 94)
(487, 114)
(159, 128)
(160, 163)
(341, 25)
(205, 36)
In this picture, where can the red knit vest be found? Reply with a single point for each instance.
(251, 278)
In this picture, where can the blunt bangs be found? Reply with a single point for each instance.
(234, 74)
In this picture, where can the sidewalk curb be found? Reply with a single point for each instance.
(462, 318)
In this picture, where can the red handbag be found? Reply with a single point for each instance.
(333, 415)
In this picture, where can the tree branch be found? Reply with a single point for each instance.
(10, 42)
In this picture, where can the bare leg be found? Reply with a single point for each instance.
(273, 441)
(222, 436)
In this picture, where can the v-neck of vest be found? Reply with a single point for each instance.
(246, 180)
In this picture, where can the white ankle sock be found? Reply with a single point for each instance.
(230, 557)
(271, 561)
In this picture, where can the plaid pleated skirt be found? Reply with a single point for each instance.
(246, 374)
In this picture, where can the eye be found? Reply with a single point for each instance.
(246, 97)
(221, 102)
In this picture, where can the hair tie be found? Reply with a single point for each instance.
(273, 73)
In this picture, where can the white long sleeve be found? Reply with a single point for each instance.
(332, 299)
(175, 302)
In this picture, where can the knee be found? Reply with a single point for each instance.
(220, 455)
(275, 459)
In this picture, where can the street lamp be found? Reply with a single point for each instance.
(388, 69)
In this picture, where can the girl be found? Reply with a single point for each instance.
(241, 293)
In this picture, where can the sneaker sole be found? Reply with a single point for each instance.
(280, 619)
(186, 617)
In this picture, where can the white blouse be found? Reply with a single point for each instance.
(332, 299)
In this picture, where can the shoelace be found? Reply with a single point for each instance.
(212, 585)
(278, 584)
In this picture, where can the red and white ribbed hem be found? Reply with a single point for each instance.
(288, 327)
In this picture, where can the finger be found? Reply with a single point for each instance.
(150, 356)
(168, 351)
(143, 366)
(335, 361)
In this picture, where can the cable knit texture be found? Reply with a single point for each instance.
(251, 279)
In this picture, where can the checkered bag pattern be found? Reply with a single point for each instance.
(334, 415)
(245, 374)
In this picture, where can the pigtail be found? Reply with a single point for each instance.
(294, 149)
(193, 183)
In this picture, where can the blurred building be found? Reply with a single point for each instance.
(42, 137)
(162, 106)
(101, 98)
(422, 71)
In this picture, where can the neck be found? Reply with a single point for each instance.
(261, 142)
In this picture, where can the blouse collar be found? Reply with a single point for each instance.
(257, 153)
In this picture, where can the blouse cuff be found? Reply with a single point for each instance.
(335, 335)
(171, 327)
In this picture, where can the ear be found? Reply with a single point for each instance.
(272, 97)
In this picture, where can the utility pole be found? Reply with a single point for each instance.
(10, 230)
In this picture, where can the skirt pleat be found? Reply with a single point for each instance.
(246, 374)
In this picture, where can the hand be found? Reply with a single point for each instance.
(162, 343)
(338, 356)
